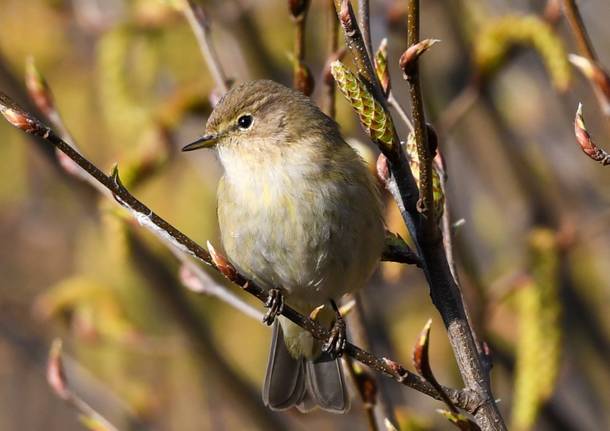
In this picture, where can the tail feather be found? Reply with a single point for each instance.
(325, 384)
(285, 380)
(303, 383)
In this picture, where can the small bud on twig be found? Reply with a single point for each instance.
(410, 56)
(56, 376)
(303, 79)
(586, 143)
(420, 352)
(21, 119)
(421, 361)
(383, 170)
(222, 263)
(190, 280)
(298, 8)
(459, 420)
(38, 88)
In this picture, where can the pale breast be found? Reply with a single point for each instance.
(316, 233)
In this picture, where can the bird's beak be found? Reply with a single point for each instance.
(205, 141)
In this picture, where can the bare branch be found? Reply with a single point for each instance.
(364, 20)
(302, 78)
(598, 78)
(570, 10)
(200, 24)
(409, 65)
(332, 54)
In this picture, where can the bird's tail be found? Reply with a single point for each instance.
(303, 383)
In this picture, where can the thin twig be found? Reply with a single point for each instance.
(364, 20)
(570, 9)
(588, 62)
(301, 77)
(457, 108)
(468, 400)
(399, 110)
(411, 74)
(56, 377)
(332, 45)
(197, 280)
(444, 291)
(42, 95)
(200, 25)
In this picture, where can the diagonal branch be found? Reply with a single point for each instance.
(570, 10)
(199, 22)
(465, 399)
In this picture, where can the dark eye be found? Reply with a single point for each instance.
(245, 121)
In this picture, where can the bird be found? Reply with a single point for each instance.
(300, 215)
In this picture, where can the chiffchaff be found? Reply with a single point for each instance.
(300, 215)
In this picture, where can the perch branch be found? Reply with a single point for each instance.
(465, 399)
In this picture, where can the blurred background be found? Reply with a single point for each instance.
(531, 214)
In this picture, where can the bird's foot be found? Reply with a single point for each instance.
(335, 345)
(275, 304)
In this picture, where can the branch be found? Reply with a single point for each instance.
(302, 78)
(444, 290)
(409, 64)
(332, 53)
(198, 20)
(365, 24)
(192, 276)
(588, 62)
(570, 10)
(464, 399)
(400, 182)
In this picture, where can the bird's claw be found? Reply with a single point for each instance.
(337, 340)
(275, 304)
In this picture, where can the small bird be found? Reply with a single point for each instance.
(299, 215)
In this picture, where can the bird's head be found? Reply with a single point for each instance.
(263, 117)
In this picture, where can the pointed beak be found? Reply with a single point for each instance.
(205, 141)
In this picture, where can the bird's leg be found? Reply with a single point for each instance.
(275, 304)
(335, 345)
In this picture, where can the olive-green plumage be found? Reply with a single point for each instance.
(299, 211)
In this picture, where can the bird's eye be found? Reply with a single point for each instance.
(245, 121)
